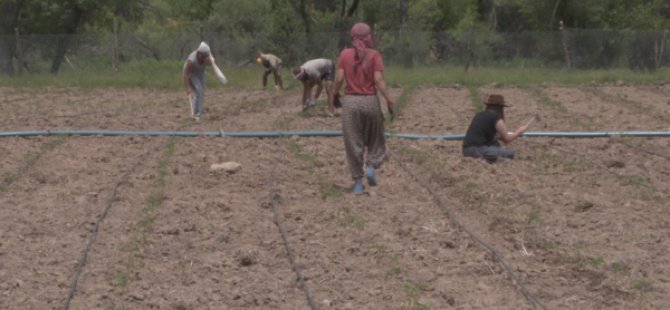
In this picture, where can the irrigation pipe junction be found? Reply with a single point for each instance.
(326, 133)
(277, 218)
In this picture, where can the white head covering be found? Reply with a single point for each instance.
(204, 48)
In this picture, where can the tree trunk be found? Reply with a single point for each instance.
(64, 42)
(8, 23)
(301, 8)
(553, 14)
(6, 53)
(658, 50)
(566, 46)
(404, 38)
(343, 23)
(115, 45)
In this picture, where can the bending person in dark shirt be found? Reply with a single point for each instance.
(487, 129)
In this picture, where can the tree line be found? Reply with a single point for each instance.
(282, 20)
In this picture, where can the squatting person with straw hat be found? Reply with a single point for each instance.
(194, 77)
(487, 128)
(271, 64)
(362, 117)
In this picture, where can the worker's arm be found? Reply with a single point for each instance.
(506, 136)
(380, 84)
(186, 74)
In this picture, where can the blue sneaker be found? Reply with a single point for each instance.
(358, 186)
(372, 180)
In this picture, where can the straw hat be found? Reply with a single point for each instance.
(495, 99)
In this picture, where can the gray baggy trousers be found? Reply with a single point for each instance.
(363, 129)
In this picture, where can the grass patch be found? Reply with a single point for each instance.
(132, 259)
(413, 291)
(329, 190)
(582, 121)
(574, 165)
(146, 223)
(166, 74)
(533, 217)
(121, 280)
(153, 201)
(546, 101)
(29, 160)
(620, 267)
(400, 102)
(636, 181)
(351, 218)
(645, 190)
(550, 245)
(478, 76)
(596, 261)
(164, 163)
(295, 148)
(641, 284)
(8, 178)
(393, 272)
(474, 98)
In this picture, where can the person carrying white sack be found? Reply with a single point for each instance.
(194, 77)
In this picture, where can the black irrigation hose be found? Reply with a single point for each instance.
(94, 233)
(280, 226)
(591, 162)
(84, 256)
(635, 147)
(287, 246)
(472, 236)
(96, 228)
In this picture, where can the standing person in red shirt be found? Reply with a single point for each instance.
(362, 117)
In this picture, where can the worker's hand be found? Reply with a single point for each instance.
(336, 101)
(523, 128)
(390, 103)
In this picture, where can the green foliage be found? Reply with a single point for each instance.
(475, 33)
(238, 17)
(191, 10)
(167, 75)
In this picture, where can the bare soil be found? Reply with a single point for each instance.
(583, 223)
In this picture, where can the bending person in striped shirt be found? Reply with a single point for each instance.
(312, 73)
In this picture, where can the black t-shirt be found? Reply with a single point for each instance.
(482, 130)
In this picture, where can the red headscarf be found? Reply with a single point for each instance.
(361, 39)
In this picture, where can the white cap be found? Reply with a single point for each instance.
(204, 48)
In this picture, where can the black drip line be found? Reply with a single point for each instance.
(89, 244)
(643, 150)
(517, 281)
(280, 226)
(591, 162)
